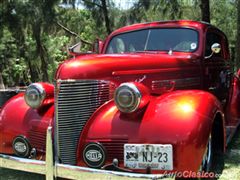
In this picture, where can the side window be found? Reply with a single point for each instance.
(212, 38)
(128, 42)
(116, 46)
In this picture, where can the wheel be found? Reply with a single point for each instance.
(207, 160)
(207, 157)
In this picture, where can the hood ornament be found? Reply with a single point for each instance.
(170, 52)
(141, 79)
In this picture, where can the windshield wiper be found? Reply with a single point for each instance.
(146, 51)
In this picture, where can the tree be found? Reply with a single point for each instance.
(2, 86)
(1, 80)
(106, 17)
(238, 34)
(32, 24)
(70, 2)
(33, 18)
(38, 43)
(43, 16)
(100, 11)
(204, 6)
(224, 16)
(12, 66)
(155, 10)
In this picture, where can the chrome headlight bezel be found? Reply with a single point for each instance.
(37, 92)
(131, 90)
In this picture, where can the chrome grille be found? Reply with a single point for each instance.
(37, 139)
(115, 149)
(76, 102)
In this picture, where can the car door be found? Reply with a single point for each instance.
(217, 66)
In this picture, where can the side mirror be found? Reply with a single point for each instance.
(75, 49)
(98, 46)
(216, 48)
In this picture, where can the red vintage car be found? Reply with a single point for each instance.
(156, 97)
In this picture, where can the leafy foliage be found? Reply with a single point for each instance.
(32, 43)
(9, 57)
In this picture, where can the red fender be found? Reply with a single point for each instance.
(17, 118)
(181, 118)
(233, 113)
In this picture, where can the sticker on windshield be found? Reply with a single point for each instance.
(193, 46)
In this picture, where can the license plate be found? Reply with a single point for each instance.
(142, 156)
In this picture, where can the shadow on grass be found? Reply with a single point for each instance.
(8, 174)
(226, 164)
(232, 157)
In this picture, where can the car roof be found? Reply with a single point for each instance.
(170, 24)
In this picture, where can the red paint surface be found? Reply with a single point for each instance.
(181, 118)
(18, 119)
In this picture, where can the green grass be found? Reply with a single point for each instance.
(230, 170)
(6, 174)
(232, 160)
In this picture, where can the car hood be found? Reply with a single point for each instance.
(111, 66)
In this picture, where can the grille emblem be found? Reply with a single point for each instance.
(94, 155)
(21, 146)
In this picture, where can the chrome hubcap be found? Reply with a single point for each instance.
(205, 166)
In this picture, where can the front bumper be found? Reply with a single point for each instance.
(51, 168)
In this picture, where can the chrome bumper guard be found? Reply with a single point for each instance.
(52, 169)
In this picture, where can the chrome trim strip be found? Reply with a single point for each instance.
(56, 145)
(176, 83)
(52, 169)
(75, 172)
(82, 80)
(22, 164)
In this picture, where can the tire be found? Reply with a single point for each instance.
(213, 158)
(207, 160)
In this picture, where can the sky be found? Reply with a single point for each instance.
(124, 4)
(121, 4)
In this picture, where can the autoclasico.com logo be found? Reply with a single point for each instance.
(192, 174)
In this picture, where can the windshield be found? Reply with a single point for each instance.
(164, 39)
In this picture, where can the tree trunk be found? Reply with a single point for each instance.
(33, 72)
(1, 81)
(44, 64)
(32, 69)
(41, 52)
(238, 35)
(205, 10)
(106, 17)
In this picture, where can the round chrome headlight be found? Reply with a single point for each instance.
(127, 97)
(34, 95)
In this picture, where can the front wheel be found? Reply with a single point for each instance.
(207, 157)
(206, 161)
